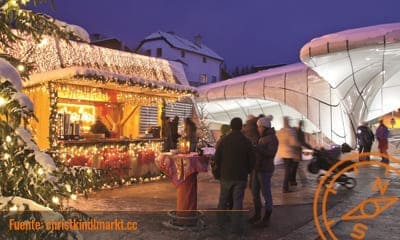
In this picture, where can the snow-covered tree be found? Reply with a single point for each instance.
(29, 179)
(204, 134)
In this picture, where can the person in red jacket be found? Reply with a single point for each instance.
(382, 135)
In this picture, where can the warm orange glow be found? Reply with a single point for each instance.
(83, 93)
(86, 114)
(184, 146)
(387, 120)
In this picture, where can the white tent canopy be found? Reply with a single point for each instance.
(292, 90)
(362, 65)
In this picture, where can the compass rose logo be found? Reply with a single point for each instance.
(368, 202)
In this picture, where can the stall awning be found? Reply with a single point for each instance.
(107, 80)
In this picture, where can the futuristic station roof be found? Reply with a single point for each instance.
(349, 77)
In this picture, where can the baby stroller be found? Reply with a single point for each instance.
(324, 159)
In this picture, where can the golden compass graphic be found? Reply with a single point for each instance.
(367, 209)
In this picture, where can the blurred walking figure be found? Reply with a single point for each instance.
(250, 129)
(365, 138)
(288, 150)
(234, 157)
(382, 135)
(190, 130)
(303, 144)
(260, 179)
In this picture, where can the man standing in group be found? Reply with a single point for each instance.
(266, 149)
(365, 138)
(234, 157)
(382, 135)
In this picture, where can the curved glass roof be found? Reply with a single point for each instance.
(362, 66)
(294, 90)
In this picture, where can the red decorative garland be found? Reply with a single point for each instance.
(117, 162)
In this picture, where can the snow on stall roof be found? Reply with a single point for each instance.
(52, 54)
(71, 72)
(359, 37)
(182, 43)
(296, 67)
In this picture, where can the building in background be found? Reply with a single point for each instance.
(201, 64)
(108, 42)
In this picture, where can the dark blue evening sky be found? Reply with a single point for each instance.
(250, 32)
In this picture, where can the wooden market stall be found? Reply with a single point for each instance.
(76, 83)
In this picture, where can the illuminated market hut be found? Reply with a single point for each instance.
(75, 83)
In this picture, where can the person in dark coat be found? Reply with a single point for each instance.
(99, 127)
(234, 157)
(382, 135)
(261, 175)
(365, 138)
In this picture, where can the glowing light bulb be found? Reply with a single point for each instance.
(40, 171)
(68, 187)
(6, 156)
(2, 102)
(21, 68)
(13, 3)
(8, 139)
(44, 42)
(13, 208)
(55, 200)
(74, 197)
(89, 171)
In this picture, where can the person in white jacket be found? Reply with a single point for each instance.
(288, 150)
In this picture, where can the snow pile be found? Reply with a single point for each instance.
(9, 73)
(24, 101)
(19, 204)
(75, 29)
(45, 160)
(26, 136)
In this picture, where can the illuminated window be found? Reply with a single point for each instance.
(203, 78)
(159, 52)
(78, 113)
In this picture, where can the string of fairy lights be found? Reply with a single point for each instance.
(52, 54)
(137, 80)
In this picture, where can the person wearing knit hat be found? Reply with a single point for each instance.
(260, 179)
(264, 122)
(270, 117)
